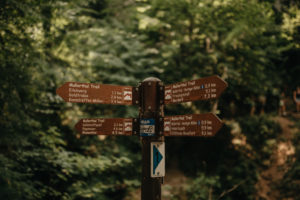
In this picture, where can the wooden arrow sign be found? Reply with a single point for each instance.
(114, 126)
(200, 89)
(95, 93)
(205, 125)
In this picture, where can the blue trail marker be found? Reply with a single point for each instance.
(147, 127)
(157, 157)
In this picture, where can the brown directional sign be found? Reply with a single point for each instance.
(200, 89)
(115, 126)
(150, 95)
(192, 125)
(95, 93)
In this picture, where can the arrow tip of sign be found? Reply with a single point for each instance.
(222, 81)
(78, 126)
(62, 91)
(58, 91)
(219, 122)
(222, 85)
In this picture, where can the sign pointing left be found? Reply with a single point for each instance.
(95, 93)
(101, 126)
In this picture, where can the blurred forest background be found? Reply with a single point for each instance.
(254, 45)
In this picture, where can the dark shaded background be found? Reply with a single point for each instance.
(253, 45)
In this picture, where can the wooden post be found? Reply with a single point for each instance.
(151, 107)
(151, 96)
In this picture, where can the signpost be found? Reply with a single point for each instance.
(151, 96)
(200, 89)
(192, 125)
(95, 93)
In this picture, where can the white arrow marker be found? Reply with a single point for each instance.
(157, 159)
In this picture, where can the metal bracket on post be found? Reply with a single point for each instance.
(160, 126)
(136, 126)
(151, 109)
(160, 99)
(161, 93)
(136, 96)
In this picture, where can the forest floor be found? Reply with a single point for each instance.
(175, 182)
(281, 160)
(175, 185)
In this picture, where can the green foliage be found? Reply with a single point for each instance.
(229, 170)
(203, 187)
(46, 43)
(205, 37)
(290, 186)
(231, 179)
(41, 158)
(238, 40)
(261, 134)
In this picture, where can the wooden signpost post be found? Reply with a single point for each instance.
(151, 125)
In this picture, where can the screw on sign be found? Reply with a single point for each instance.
(151, 96)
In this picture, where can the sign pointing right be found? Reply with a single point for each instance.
(200, 89)
(101, 126)
(204, 125)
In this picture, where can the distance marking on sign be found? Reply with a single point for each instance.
(114, 126)
(204, 125)
(95, 93)
(200, 89)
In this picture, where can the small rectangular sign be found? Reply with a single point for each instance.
(157, 159)
(200, 89)
(147, 127)
(204, 125)
(114, 126)
(95, 93)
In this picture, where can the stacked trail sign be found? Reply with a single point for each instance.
(151, 124)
